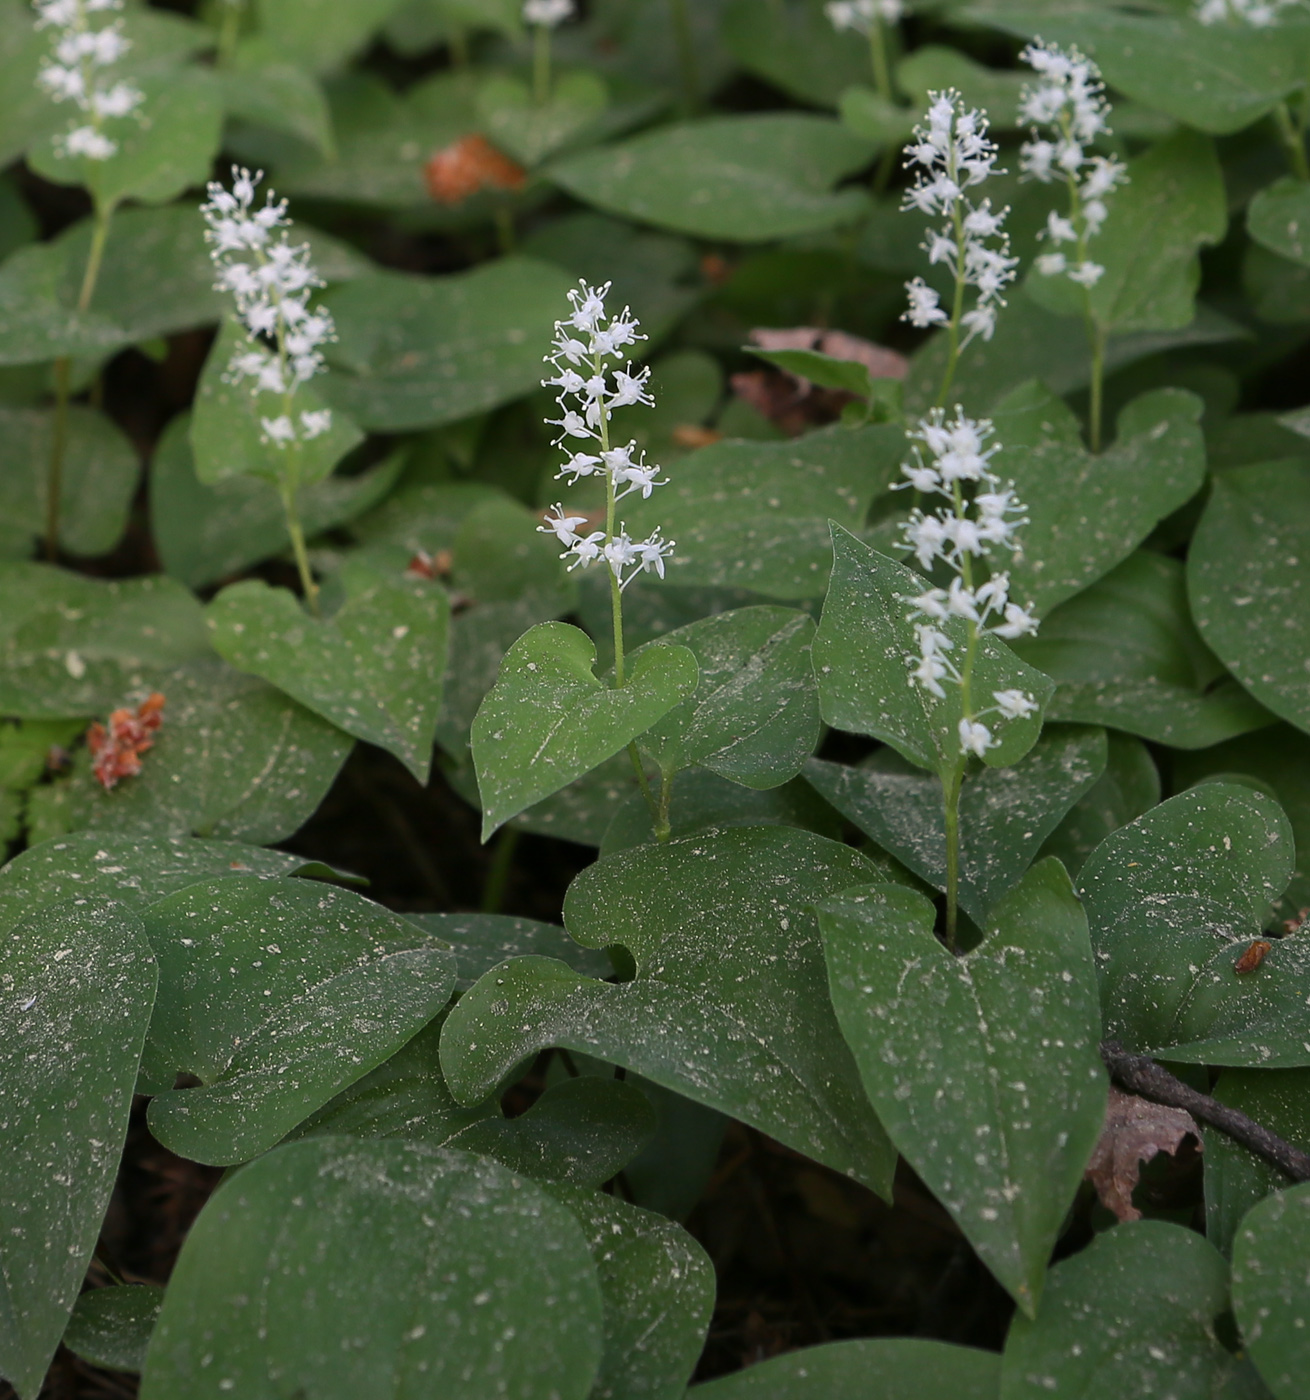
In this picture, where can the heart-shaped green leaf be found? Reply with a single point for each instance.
(756, 514)
(1088, 513)
(78, 981)
(548, 720)
(111, 1327)
(995, 1113)
(480, 941)
(797, 49)
(227, 433)
(1005, 813)
(259, 981)
(749, 178)
(896, 1368)
(530, 130)
(415, 352)
(1246, 577)
(1173, 901)
(1172, 205)
(657, 1284)
(1269, 1254)
(755, 715)
(373, 669)
(1109, 1331)
(729, 1004)
(1125, 653)
(450, 1235)
(862, 657)
(262, 88)
(1129, 786)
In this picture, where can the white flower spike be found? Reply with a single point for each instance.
(83, 48)
(951, 155)
(862, 15)
(271, 281)
(1258, 14)
(549, 13)
(590, 390)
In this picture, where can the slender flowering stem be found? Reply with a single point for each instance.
(229, 31)
(544, 15)
(685, 40)
(271, 282)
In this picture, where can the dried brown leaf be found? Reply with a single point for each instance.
(1135, 1131)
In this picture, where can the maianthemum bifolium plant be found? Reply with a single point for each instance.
(875, 649)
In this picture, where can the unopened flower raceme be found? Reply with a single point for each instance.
(547, 12)
(590, 389)
(949, 456)
(1259, 14)
(1068, 112)
(862, 15)
(952, 155)
(85, 46)
(271, 280)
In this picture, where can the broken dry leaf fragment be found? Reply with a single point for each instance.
(117, 749)
(468, 166)
(1135, 1131)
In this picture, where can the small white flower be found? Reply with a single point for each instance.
(862, 15)
(1014, 704)
(1258, 14)
(279, 430)
(314, 422)
(1086, 273)
(547, 12)
(975, 737)
(925, 305)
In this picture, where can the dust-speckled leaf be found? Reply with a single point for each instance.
(133, 870)
(1278, 218)
(530, 130)
(749, 178)
(481, 941)
(1124, 653)
(1246, 578)
(77, 981)
(1005, 813)
(548, 720)
(1172, 205)
(100, 477)
(111, 1327)
(1269, 1289)
(277, 994)
(1235, 1178)
(1088, 513)
(415, 352)
(78, 646)
(1174, 900)
(756, 514)
(373, 668)
(228, 438)
(729, 1005)
(234, 757)
(755, 715)
(1108, 1330)
(1219, 78)
(996, 1111)
(657, 1286)
(207, 533)
(263, 88)
(456, 1237)
(862, 658)
(892, 1368)
(1129, 786)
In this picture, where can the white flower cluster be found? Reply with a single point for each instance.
(83, 48)
(949, 455)
(1259, 14)
(862, 15)
(271, 282)
(1070, 103)
(547, 12)
(953, 155)
(589, 392)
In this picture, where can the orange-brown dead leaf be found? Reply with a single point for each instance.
(468, 166)
(1135, 1131)
(693, 435)
(430, 566)
(117, 750)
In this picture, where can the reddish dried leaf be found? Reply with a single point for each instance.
(468, 166)
(1135, 1131)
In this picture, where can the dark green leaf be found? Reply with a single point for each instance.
(1173, 901)
(79, 983)
(729, 1005)
(1088, 513)
(994, 1111)
(1108, 1330)
(1278, 218)
(530, 130)
(548, 720)
(373, 669)
(499, 1289)
(481, 941)
(935, 68)
(1005, 813)
(276, 995)
(262, 88)
(1124, 653)
(1246, 578)
(415, 352)
(796, 48)
(321, 34)
(850, 375)
(756, 514)
(111, 1326)
(862, 656)
(1269, 1294)
(748, 178)
(1129, 786)
(901, 1368)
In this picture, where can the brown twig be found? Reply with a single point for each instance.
(1141, 1075)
